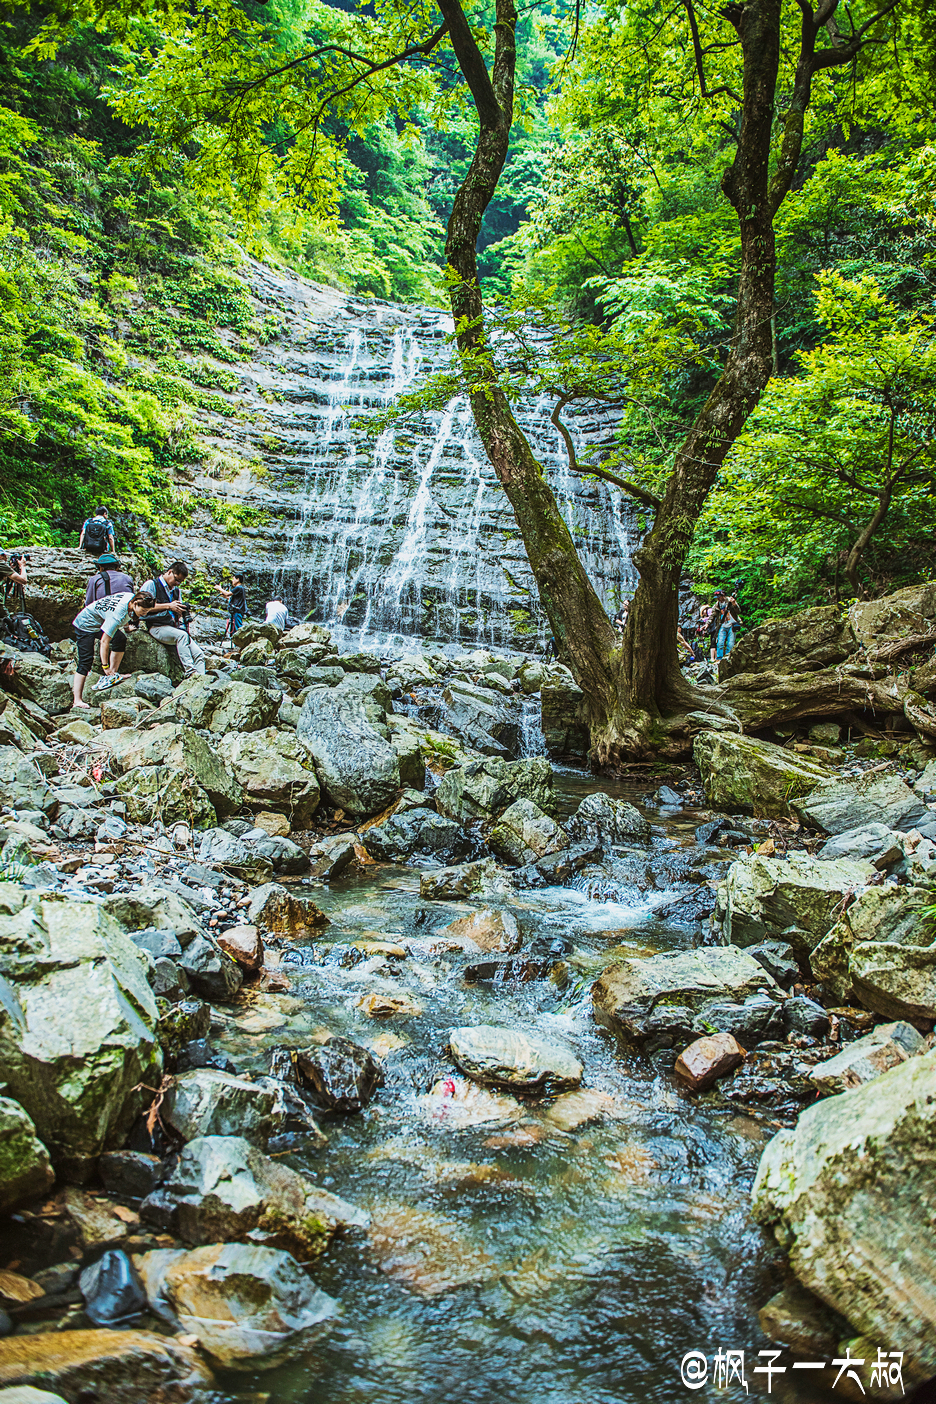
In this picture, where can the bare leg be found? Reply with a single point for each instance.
(78, 684)
(114, 663)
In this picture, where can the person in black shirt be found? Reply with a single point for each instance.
(237, 601)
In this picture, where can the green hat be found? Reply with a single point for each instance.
(108, 558)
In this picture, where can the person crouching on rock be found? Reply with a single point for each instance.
(102, 620)
(167, 614)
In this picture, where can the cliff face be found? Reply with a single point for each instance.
(406, 533)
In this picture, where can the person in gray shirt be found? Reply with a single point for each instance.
(102, 620)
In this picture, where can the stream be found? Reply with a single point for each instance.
(513, 1253)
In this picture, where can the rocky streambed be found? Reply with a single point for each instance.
(350, 1052)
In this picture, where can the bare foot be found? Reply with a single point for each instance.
(80, 707)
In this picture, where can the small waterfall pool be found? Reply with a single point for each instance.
(515, 1254)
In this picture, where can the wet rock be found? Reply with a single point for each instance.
(243, 945)
(524, 833)
(564, 730)
(25, 1394)
(253, 629)
(802, 1322)
(478, 790)
(77, 1021)
(411, 671)
(478, 717)
(180, 1023)
(257, 653)
(882, 950)
(843, 805)
(251, 1308)
(331, 856)
(658, 997)
(153, 907)
(485, 930)
(130, 1174)
(210, 970)
(282, 854)
(778, 960)
(269, 765)
(865, 842)
(152, 687)
(794, 898)
(511, 1058)
(450, 884)
(343, 1076)
(206, 1102)
(849, 1186)
(418, 831)
(884, 1048)
(112, 1290)
(757, 1018)
(751, 776)
(571, 1110)
(121, 1367)
(223, 1188)
(357, 767)
(607, 820)
(242, 707)
(708, 1059)
(387, 1004)
(275, 911)
(25, 1170)
(805, 1016)
(158, 943)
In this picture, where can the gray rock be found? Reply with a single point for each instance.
(25, 1394)
(168, 980)
(805, 1016)
(282, 854)
(478, 790)
(182, 751)
(842, 805)
(210, 972)
(865, 842)
(276, 911)
(778, 960)
(158, 943)
(883, 1048)
(234, 855)
(512, 1058)
(41, 682)
(130, 1174)
(21, 784)
(223, 1188)
(357, 767)
(795, 898)
(25, 1170)
(72, 824)
(848, 1194)
(206, 1102)
(251, 1308)
(342, 1075)
(112, 1291)
(759, 1017)
(418, 831)
(269, 765)
(120, 1366)
(181, 1024)
(524, 833)
(565, 731)
(599, 817)
(450, 884)
(743, 774)
(659, 997)
(479, 717)
(882, 952)
(798, 643)
(331, 856)
(77, 1021)
(156, 908)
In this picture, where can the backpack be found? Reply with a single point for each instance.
(96, 532)
(26, 634)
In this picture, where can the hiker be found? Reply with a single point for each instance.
(109, 579)
(237, 601)
(620, 619)
(277, 613)
(14, 584)
(102, 619)
(97, 534)
(727, 616)
(167, 616)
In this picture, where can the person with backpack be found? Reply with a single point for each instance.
(727, 616)
(97, 534)
(108, 579)
(102, 619)
(237, 601)
(167, 616)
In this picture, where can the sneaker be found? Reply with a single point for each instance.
(106, 682)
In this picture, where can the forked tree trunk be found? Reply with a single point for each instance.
(633, 689)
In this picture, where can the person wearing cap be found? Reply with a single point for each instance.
(109, 579)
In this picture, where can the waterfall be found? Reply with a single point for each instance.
(405, 534)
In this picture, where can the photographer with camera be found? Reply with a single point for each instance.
(167, 619)
(14, 584)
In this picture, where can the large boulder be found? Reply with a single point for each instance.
(223, 1188)
(153, 906)
(601, 819)
(509, 1057)
(837, 806)
(269, 765)
(418, 832)
(177, 748)
(883, 1048)
(251, 1308)
(305, 636)
(358, 769)
(524, 833)
(77, 1021)
(242, 707)
(909, 611)
(658, 998)
(147, 655)
(209, 1102)
(800, 643)
(25, 1170)
(162, 794)
(849, 1193)
(742, 774)
(478, 790)
(21, 784)
(795, 898)
(479, 717)
(882, 952)
(121, 1367)
(42, 682)
(565, 731)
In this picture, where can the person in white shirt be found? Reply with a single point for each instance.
(101, 619)
(166, 616)
(276, 613)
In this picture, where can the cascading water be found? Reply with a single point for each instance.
(406, 533)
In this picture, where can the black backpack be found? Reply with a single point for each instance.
(25, 633)
(97, 531)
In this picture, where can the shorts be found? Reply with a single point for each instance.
(86, 642)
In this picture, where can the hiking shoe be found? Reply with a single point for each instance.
(106, 682)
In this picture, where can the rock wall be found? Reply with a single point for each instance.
(399, 533)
